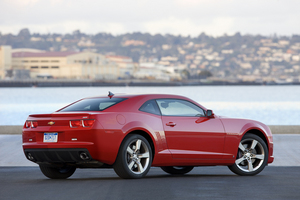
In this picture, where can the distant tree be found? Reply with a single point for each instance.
(185, 73)
(295, 38)
(204, 74)
(24, 33)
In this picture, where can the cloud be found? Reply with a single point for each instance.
(173, 25)
(68, 26)
(21, 3)
(193, 3)
(186, 17)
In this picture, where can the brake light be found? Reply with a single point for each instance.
(32, 124)
(75, 123)
(28, 124)
(87, 123)
(81, 123)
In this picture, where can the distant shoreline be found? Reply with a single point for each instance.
(124, 83)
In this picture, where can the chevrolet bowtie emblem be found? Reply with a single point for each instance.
(51, 123)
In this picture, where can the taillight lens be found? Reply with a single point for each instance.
(32, 124)
(75, 123)
(81, 123)
(28, 124)
(87, 123)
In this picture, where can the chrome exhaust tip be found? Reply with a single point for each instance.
(30, 157)
(84, 156)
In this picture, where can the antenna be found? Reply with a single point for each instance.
(110, 94)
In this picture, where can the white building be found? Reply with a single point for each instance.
(154, 71)
(5, 60)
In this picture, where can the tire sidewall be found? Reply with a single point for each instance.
(238, 171)
(55, 173)
(174, 171)
(122, 157)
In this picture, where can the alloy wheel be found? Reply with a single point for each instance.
(137, 156)
(251, 155)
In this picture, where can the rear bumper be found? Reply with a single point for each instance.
(102, 146)
(64, 156)
(58, 155)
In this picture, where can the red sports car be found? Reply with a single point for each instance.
(131, 133)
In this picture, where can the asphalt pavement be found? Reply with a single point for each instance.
(21, 179)
(201, 183)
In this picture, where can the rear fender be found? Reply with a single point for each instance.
(136, 126)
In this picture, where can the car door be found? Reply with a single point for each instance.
(189, 133)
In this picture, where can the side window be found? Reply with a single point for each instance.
(104, 105)
(178, 107)
(150, 107)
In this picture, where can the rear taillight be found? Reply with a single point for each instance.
(28, 124)
(32, 124)
(88, 123)
(81, 123)
(75, 123)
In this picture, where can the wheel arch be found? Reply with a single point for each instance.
(259, 134)
(145, 135)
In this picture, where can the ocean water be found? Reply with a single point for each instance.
(272, 105)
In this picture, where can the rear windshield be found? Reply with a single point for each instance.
(97, 104)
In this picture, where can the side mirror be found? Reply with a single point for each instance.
(209, 114)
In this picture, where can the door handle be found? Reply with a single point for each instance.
(172, 124)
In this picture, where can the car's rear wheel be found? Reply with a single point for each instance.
(177, 170)
(252, 156)
(134, 158)
(57, 172)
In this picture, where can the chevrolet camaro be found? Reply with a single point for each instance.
(132, 132)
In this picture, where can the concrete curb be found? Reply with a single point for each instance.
(283, 129)
(11, 130)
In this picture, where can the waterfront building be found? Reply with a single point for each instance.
(70, 65)
(125, 65)
(153, 71)
(34, 63)
(5, 60)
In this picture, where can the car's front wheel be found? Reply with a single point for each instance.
(177, 170)
(134, 158)
(252, 156)
(57, 172)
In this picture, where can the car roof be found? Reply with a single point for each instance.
(124, 95)
(139, 99)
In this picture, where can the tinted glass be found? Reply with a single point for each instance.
(96, 104)
(150, 107)
(178, 107)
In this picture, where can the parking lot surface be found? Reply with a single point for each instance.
(21, 179)
(200, 183)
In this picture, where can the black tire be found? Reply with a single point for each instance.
(252, 156)
(57, 172)
(134, 158)
(177, 170)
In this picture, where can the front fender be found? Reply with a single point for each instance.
(235, 130)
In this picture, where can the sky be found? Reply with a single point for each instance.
(184, 17)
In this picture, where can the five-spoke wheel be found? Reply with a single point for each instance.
(134, 157)
(251, 157)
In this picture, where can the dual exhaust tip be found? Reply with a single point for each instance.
(30, 157)
(84, 156)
